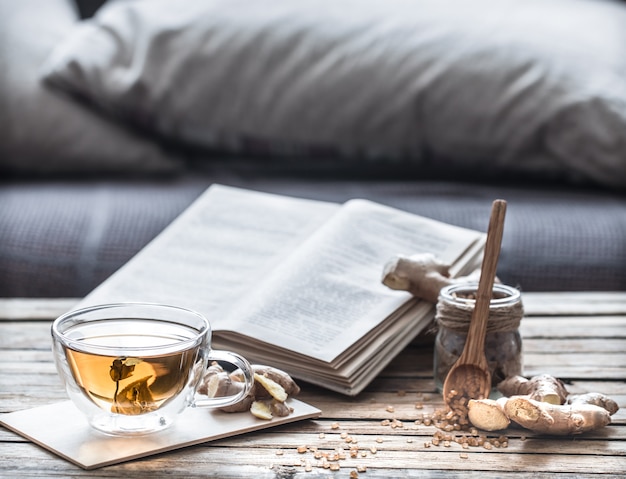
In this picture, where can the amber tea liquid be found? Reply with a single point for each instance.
(135, 381)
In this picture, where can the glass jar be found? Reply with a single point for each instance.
(503, 343)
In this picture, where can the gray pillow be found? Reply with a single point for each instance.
(44, 131)
(534, 86)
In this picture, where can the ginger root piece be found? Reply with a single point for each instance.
(268, 409)
(261, 410)
(278, 376)
(597, 399)
(280, 409)
(244, 405)
(422, 275)
(211, 371)
(546, 418)
(221, 384)
(539, 404)
(544, 388)
(218, 383)
(272, 387)
(488, 414)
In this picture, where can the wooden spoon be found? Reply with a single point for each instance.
(469, 377)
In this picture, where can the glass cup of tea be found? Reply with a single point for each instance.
(132, 368)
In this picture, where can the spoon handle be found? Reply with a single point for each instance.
(475, 343)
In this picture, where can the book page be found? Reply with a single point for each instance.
(328, 294)
(215, 252)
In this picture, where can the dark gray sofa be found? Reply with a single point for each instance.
(82, 190)
(63, 237)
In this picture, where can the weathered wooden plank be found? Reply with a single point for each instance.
(208, 457)
(25, 356)
(570, 373)
(14, 309)
(574, 303)
(417, 442)
(574, 327)
(608, 361)
(412, 359)
(612, 388)
(574, 345)
(535, 304)
(358, 426)
(322, 433)
(25, 335)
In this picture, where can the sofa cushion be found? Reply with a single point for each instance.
(44, 131)
(534, 86)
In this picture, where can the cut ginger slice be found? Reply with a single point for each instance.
(276, 390)
(261, 410)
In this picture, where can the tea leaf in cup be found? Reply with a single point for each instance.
(123, 368)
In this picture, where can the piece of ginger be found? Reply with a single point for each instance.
(542, 407)
(597, 399)
(544, 388)
(272, 387)
(423, 275)
(546, 418)
(280, 409)
(261, 409)
(488, 414)
(277, 375)
(221, 384)
(213, 369)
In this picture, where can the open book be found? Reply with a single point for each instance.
(294, 283)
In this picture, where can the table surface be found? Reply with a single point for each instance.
(579, 337)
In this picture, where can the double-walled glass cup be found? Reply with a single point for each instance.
(132, 368)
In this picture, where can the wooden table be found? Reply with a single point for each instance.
(580, 337)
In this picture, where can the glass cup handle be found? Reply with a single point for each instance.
(248, 376)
